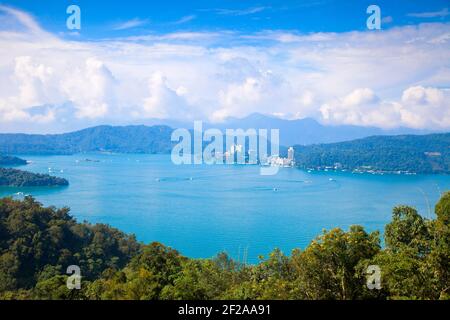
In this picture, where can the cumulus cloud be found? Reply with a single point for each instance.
(419, 107)
(397, 77)
(90, 89)
(163, 101)
(426, 107)
(33, 85)
(360, 107)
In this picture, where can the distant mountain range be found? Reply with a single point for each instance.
(302, 131)
(405, 153)
(308, 131)
(414, 153)
(128, 139)
(156, 138)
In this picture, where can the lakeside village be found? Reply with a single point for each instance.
(361, 170)
(237, 155)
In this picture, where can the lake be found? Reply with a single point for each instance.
(201, 210)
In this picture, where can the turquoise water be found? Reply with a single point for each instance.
(202, 210)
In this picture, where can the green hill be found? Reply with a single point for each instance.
(128, 139)
(407, 153)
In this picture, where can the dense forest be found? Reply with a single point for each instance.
(37, 244)
(418, 154)
(19, 178)
(11, 161)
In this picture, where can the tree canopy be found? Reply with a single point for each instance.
(38, 243)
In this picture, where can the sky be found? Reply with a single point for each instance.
(132, 61)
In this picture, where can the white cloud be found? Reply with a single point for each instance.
(91, 89)
(164, 102)
(185, 19)
(241, 12)
(361, 107)
(432, 14)
(396, 77)
(133, 23)
(24, 18)
(419, 107)
(426, 107)
(359, 97)
(32, 85)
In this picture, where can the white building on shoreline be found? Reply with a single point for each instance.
(277, 161)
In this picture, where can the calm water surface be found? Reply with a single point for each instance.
(202, 210)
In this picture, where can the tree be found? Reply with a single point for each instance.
(328, 267)
(405, 263)
(203, 279)
(38, 243)
(55, 288)
(408, 230)
(441, 253)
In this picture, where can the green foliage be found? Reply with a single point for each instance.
(419, 154)
(406, 275)
(37, 244)
(407, 230)
(441, 250)
(55, 288)
(416, 261)
(19, 178)
(337, 255)
(202, 279)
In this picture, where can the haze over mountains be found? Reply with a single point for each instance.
(300, 131)
(308, 131)
(156, 138)
(127, 139)
(316, 145)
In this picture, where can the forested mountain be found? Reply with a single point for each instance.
(20, 178)
(128, 139)
(419, 154)
(37, 245)
(156, 138)
(412, 153)
(6, 161)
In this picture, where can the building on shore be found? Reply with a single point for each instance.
(277, 161)
(291, 155)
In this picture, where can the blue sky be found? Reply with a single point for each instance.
(102, 18)
(135, 61)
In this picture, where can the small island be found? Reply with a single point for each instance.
(19, 178)
(11, 161)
